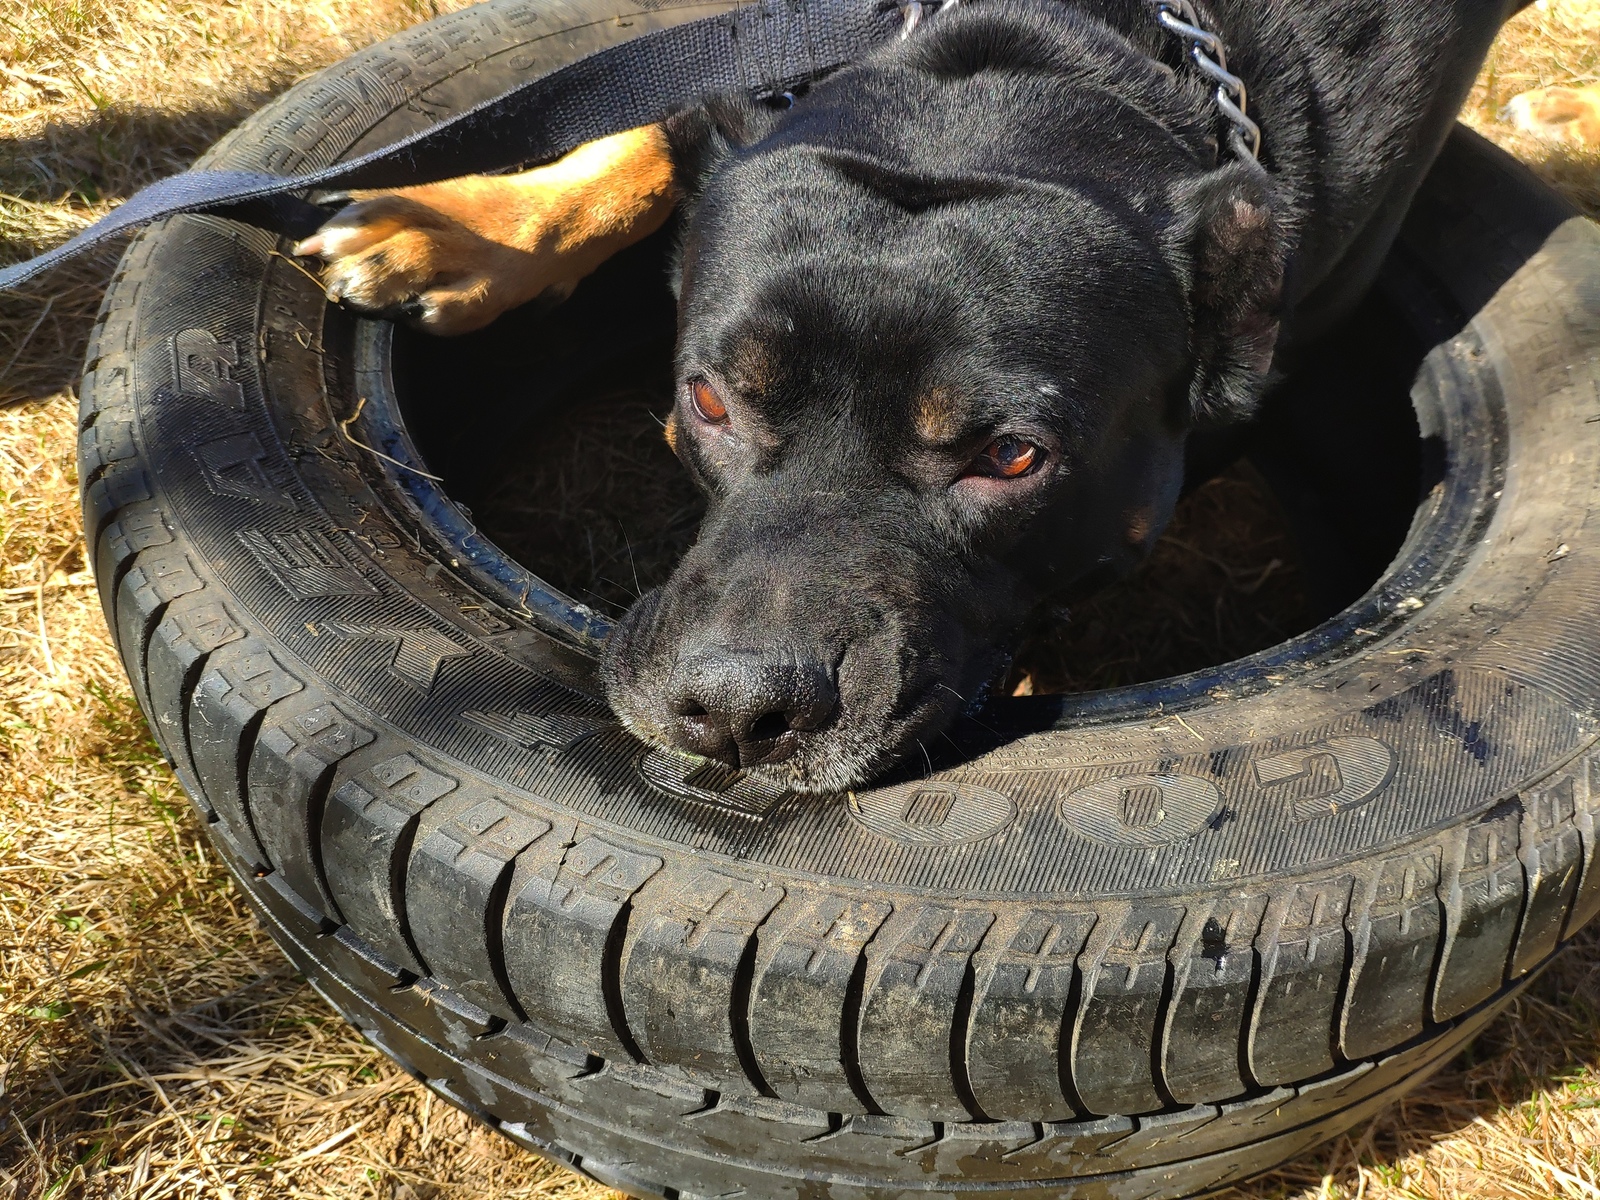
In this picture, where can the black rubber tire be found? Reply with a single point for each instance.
(1147, 943)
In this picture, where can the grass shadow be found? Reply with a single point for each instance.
(55, 181)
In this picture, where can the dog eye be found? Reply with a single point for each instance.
(1008, 458)
(708, 406)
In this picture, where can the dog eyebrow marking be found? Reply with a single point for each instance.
(750, 367)
(937, 413)
(1140, 523)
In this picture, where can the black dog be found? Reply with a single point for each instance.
(946, 325)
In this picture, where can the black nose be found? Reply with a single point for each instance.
(746, 707)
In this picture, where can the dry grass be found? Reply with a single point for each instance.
(1553, 42)
(153, 1042)
(601, 507)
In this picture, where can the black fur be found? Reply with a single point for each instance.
(1021, 207)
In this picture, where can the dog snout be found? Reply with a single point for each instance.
(748, 707)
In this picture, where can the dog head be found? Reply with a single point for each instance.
(935, 366)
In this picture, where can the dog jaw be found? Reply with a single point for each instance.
(879, 721)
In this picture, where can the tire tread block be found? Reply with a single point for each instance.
(1552, 855)
(1026, 975)
(1482, 891)
(367, 829)
(692, 930)
(1124, 985)
(300, 742)
(808, 952)
(917, 967)
(137, 528)
(109, 491)
(1395, 936)
(1303, 955)
(193, 623)
(570, 893)
(456, 882)
(1214, 971)
(239, 683)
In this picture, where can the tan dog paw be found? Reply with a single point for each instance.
(395, 255)
(451, 257)
(1560, 113)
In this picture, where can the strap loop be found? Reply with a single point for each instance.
(623, 86)
(637, 82)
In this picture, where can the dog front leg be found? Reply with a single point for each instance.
(450, 257)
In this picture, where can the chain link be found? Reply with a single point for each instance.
(1205, 49)
(1211, 56)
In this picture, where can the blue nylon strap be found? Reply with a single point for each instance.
(769, 44)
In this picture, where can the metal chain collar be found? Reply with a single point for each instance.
(1205, 48)
(1211, 56)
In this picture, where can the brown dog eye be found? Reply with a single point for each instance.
(1008, 458)
(707, 404)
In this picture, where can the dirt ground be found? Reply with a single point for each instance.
(153, 1043)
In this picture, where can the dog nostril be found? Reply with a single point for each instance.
(772, 725)
(746, 707)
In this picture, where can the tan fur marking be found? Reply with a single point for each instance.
(1569, 114)
(938, 416)
(469, 249)
(1140, 522)
(670, 431)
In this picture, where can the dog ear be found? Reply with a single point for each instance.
(703, 136)
(1231, 248)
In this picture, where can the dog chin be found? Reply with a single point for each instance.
(885, 716)
(838, 759)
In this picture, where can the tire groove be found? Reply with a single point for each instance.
(849, 1033)
(739, 1013)
(1247, 1025)
(399, 864)
(1440, 942)
(1342, 993)
(1158, 1074)
(316, 808)
(611, 981)
(246, 748)
(1069, 1021)
(960, 1022)
(494, 918)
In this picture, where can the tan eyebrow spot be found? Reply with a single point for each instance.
(1140, 521)
(751, 370)
(937, 413)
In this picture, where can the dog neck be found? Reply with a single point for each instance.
(1203, 50)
